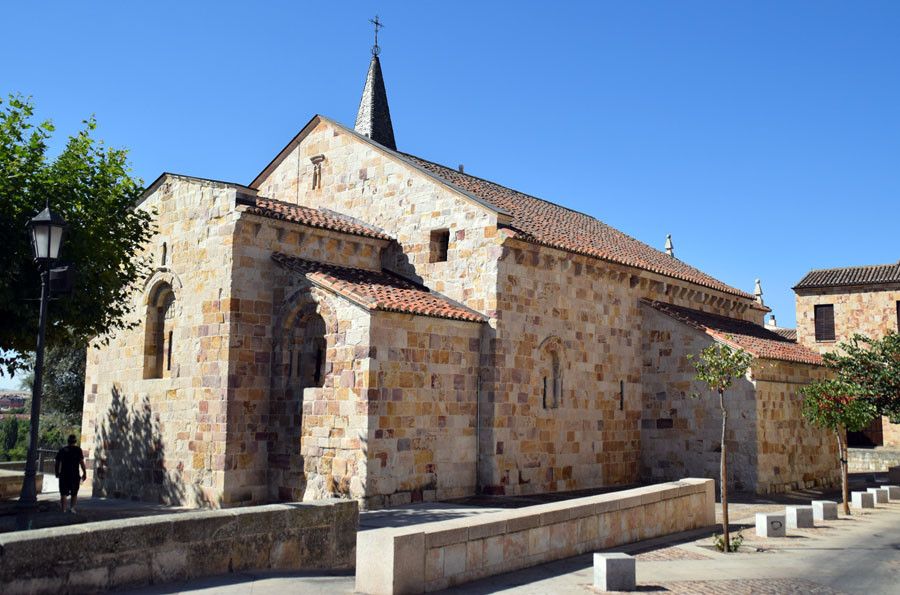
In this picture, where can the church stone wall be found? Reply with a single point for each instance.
(591, 310)
(422, 409)
(270, 444)
(163, 439)
(792, 453)
(870, 310)
(368, 184)
(681, 425)
(771, 448)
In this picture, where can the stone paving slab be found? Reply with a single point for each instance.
(739, 587)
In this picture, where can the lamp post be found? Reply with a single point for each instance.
(47, 230)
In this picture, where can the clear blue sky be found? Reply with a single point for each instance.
(763, 136)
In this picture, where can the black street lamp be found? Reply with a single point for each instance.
(47, 230)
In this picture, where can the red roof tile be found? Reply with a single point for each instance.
(543, 222)
(378, 290)
(862, 275)
(751, 337)
(285, 211)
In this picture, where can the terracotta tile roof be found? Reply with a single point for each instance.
(788, 333)
(378, 290)
(863, 275)
(285, 211)
(751, 337)
(543, 222)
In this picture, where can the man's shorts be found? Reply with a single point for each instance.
(68, 486)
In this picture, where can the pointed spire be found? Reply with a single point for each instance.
(670, 247)
(757, 291)
(373, 119)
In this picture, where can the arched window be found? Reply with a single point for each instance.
(551, 371)
(159, 338)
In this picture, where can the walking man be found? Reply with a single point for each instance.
(68, 459)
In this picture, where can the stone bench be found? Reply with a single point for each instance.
(824, 510)
(614, 572)
(881, 494)
(862, 500)
(799, 517)
(769, 524)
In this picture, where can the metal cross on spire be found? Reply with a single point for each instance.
(378, 25)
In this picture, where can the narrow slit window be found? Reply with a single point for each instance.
(169, 353)
(439, 245)
(317, 171)
(320, 359)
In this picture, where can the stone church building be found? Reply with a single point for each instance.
(360, 322)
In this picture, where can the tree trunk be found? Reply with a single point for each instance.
(723, 476)
(845, 483)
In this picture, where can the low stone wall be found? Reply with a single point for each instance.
(434, 556)
(94, 557)
(873, 459)
(11, 483)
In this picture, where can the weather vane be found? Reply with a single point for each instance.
(378, 25)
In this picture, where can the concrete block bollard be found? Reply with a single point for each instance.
(770, 525)
(824, 510)
(862, 500)
(893, 492)
(881, 495)
(614, 572)
(799, 517)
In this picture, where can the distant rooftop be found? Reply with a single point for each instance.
(860, 275)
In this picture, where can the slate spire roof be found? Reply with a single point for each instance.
(373, 119)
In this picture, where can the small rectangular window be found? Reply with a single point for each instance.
(824, 318)
(439, 245)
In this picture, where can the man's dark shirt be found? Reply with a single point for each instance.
(69, 459)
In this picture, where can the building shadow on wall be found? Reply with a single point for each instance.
(129, 458)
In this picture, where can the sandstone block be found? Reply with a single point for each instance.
(770, 525)
(799, 517)
(614, 572)
(824, 510)
(862, 500)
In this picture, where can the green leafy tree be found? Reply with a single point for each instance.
(15, 435)
(10, 430)
(833, 405)
(718, 366)
(870, 369)
(63, 379)
(91, 186)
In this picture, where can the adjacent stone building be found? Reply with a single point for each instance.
(835, 304)
(365, 323)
